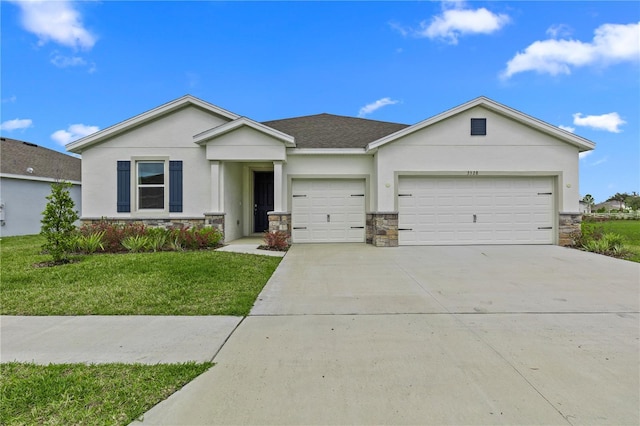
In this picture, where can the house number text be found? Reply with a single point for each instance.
(472, 173)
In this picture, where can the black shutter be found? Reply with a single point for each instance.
(175, 186)
(478, 126)
(124, 186)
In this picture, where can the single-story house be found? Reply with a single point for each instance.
(26, 174)
(609, 206)
(479, 173)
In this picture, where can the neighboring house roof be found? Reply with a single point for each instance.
(145, 117)
(334, 131)
(582, 143)
(28, 160)
(608, 205)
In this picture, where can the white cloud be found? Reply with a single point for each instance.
(62, 61)
(609, 122)
(584, 154)
(74, 132)
(611, 43)
(10, 99)
(453, 23)
(600, 161)
(567, 128)
(16, 124)
(57, 21)
(560, 30)
(369, 108)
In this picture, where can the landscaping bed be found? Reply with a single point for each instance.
(628, 230)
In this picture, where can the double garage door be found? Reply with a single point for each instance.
(475, 210)
(328, 211)
(431, 210)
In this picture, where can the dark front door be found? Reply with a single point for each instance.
(262, 200)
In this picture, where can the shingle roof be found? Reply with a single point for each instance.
(334, 131)
(18, 156)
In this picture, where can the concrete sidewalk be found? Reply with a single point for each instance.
(249, 245)
(104, 339)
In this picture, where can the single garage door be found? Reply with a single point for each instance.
(475, 210)
(328, 210)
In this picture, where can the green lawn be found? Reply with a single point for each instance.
(629, 229)
(78, 394)
(164, 283)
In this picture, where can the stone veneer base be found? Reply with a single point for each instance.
(569, 228)
(382, 229)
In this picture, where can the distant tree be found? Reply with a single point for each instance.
(619, 197)
(633, 201)
(588, 199)
(58, 222)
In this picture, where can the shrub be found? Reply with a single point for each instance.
(157, 238)
(90, 244)
(276, 240)
(136, 243)
(58, 223)
(114, 234)
(194, 238)
(608, 244)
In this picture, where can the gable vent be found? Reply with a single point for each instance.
(478, 126)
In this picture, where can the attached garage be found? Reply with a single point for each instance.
(328, 210)
(476, 210)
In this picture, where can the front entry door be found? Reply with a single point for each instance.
(262, 200)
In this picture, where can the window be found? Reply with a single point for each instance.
(478, 127)
(151, 183)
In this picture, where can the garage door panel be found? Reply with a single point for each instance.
(333, 210)
(507, 210)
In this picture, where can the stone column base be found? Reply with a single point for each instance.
(382, 229)
(215, 220)
(569, 228)
(280, 221)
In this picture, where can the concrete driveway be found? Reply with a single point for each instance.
(352, 334)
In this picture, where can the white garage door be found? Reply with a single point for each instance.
(475, 210)
(328, 210)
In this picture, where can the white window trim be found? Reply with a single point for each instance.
(135, 209)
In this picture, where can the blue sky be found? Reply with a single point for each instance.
(71, 68)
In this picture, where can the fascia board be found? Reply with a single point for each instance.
(37, 178)
(207, 135)
(582, 143)
(152, 114)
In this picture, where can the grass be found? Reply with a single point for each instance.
(629, 229)
(79, 394)
(163, 283)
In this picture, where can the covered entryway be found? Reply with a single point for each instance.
(475, 210)
(328, 210)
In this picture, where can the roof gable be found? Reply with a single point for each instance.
(32, 161)
(334, 131)
(527, 120)
(153, 114)
(210, 134)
